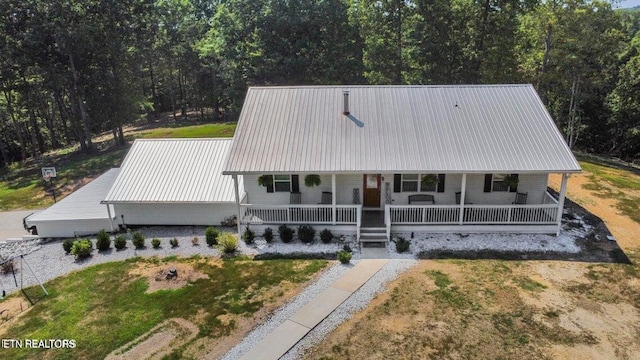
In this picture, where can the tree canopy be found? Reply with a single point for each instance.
(71, 69)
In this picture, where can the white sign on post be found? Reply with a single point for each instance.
(48, 173)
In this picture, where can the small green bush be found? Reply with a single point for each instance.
(286, 233)
(306, 233)
(402, 244)
(344, 256)
(155, 242)
(82, 248)
(326, 236)
(103, 241)
(227, 242)
(120, 242)
(268, 235)
(67, 244)
(138, 240)
(173, 242)
(248, 236)
(211, 236)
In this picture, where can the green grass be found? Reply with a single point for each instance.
(194, 131)
(613, 183)
(103, 308)
(22, 186)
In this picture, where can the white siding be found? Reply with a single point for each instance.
(71, 228)
(345, 184)
(173, 214)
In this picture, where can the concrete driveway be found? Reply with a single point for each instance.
(11, 223)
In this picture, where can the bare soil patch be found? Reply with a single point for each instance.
(10, 311)
(156, 275)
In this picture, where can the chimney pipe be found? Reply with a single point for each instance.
(346, 102)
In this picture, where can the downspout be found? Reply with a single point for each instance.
(561, 197)
(463, 192)
(237, 193)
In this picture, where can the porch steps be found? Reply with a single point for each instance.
(373, 235)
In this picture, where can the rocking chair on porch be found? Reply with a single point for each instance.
(326, 198)
(296, 198)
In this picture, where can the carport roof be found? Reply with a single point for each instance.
(174, 171)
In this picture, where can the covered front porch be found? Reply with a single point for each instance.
(450, 212)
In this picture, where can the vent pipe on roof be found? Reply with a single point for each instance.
(345, 95)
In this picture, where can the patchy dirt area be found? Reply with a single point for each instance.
(10, 310)
(158, 342)
(158, 276)
(489, 309)
(576, 307)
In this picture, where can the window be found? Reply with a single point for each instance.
(282, 183)
(498, 183)
(414, 183)
(410, 182)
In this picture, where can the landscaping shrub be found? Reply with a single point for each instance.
(195, 241)
(344, 256)
(103, 241)
(347, 248)
(173, 242)
(6, 267)
(402, 245)
(248, 236)
(138, 240)
(227, 242)
(268, 235)
(286, 233)
(81, 248)
(326, 236)
(211, 236)
(306, 233)
(155, 242)
(67, 244)
(120, 242)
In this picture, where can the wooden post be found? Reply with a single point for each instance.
(563, 192)
(463, 192)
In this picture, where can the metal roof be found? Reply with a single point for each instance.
(174, 171)
(440, 129)
(83, 203)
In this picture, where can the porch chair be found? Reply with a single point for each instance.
(421, 199)
(326, 198)
(458, 196)
(521, 199)
(295, 198)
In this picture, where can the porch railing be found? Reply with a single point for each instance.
(473, 214)
(300, 214)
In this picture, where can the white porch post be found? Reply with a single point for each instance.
(463, 192)
(237, 192)
(563, 192)
(333, 199)
(110, 217)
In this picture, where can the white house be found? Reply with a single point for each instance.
(173, 182)
(427, 158)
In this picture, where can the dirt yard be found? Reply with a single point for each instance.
(497, 309)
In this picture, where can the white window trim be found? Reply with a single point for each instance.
(419, 185)
(498, 178)
(275, 188)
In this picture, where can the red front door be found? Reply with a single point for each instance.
(371, 193)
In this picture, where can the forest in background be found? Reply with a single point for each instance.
(71, 69)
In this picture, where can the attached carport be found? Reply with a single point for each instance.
(80, 213)
(174, 182)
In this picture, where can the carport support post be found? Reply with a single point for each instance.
(235, 188)
(110, 217)
(563, 192)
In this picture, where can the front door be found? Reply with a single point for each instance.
(371, 193)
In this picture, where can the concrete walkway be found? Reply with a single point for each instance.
(11, 224)
(285, 336)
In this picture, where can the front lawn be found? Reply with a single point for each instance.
(105, 306)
